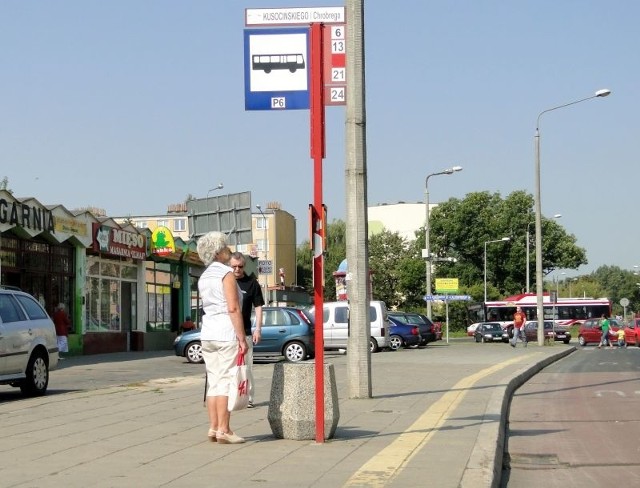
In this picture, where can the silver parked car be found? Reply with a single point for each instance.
(28, 346)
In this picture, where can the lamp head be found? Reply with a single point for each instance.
(258, 206)
(605, 92)
(557, 216)
(457, 168)
(220, 186)
(506, 239)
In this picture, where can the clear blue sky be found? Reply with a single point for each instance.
(132, 105)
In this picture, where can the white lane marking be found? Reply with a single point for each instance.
(387, 463)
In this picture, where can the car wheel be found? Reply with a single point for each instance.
(566, 341)
(373, 345)
(37, 380)
(193, 353)
(581, 341)
(395, 342)
(295, 352)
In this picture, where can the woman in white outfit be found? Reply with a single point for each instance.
(222, 334)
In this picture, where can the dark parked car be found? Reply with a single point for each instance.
(425, 326)
(286, 331)
(559, 333)
(402, 334)
(590, 331)
(490, 332)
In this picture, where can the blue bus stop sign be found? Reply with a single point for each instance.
(276, 69)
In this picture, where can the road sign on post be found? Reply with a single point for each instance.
(276, 69)
(265, 266)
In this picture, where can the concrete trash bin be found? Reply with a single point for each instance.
(292, 406)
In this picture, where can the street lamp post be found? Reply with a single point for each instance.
(571, 281)
(266, 248)
(426, 253)
(485, 262)
(556, 216)
(539, 282)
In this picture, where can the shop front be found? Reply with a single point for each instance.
(112, 287)
(39, 249)
(171, 285)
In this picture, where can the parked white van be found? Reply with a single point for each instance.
(336, 325)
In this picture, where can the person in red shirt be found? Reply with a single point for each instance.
(187, 325)
(62, 323)
(519, 318)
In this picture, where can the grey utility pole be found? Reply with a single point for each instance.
(359, 356)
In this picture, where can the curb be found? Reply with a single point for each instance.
(484, 468)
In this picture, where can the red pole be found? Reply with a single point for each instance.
(318, 231)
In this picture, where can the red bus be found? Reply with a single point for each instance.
(566, 312)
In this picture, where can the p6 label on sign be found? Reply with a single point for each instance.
(278, 102)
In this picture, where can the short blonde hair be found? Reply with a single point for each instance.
(210, 245)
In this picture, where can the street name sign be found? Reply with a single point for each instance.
(446, 298)
(254, 17)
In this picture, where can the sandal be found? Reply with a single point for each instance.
(228, 438)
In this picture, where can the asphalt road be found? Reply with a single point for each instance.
(576, 423)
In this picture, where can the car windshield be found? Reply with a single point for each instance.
(492, 327)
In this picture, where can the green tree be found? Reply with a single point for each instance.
(385, 266)
(333, 256)
(460, 229)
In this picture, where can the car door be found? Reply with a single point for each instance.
(3, 349)
(630, 336)
(276, 327)
(592, 331)
(340, 326)
(16, 335)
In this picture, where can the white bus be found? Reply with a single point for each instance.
(565, 312)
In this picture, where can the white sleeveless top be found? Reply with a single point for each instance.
(216, 323)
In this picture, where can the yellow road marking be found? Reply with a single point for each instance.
(385, 465)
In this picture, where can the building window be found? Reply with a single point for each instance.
(158, 286)
(104, 294)
(180, 225)
(142, 224)
(261, 223)
(163, 223)
(263, 245)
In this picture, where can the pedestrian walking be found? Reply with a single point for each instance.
(604, 339)
(519, 318)
(251, 299)
(222, 336)
(62, 323)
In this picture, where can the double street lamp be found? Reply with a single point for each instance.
(556, 216)
(265, 244)
(539, 277)
(485, 262)
(426, 253)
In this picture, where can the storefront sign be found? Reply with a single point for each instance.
(70, 226)
(26, 216)
(118, 242)
(162, 243)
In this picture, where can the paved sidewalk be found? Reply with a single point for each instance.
(436, 419)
